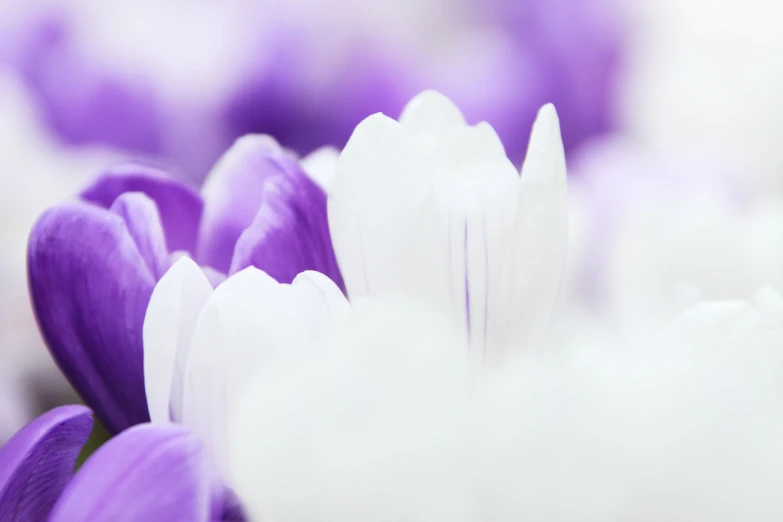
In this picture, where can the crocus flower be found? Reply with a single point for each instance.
(149, 473)
(93, 263)
(432, 207)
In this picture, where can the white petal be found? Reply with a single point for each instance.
(251, 322)
(320, 165)
(321, 302)
(168, 327)
(710, 323)
(430, 117)
(770, 301)
(324, 414)
(377, 185)
(470, 145)
(541, 229)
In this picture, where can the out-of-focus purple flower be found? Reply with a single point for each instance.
(576, 49)
(149, 473)
(82, 102)
(509, 60)
(309, 80)
(93, 263)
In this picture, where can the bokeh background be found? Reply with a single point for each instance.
(671, 112)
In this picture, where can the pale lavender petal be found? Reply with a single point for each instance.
(90, 287)
(38, 462)
(213, 276)
(233, 193)
(149, 473)
(179, 204)
(290, 233)
(141, 216)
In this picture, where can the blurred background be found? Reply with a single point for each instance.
(671, 113)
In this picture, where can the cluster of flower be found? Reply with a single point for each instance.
(366, 338)
(402, 324)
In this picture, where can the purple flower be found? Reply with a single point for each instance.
(310, 83)
(81, 101)
(517, 56)
(94, 262)
(148, 473)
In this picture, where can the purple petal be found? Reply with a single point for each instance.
(179, 204)
(290, 233)
(37, 463)
(148, 473)
(233, 193)
(140, 216)
(90, 286)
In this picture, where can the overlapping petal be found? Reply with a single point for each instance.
(432, 207)
(233, 193)
(290, 233)
(93, 264)
(148, 473)
(168, 327)
(38, 462)
(179, 205)
(251, 320)
(212, 345)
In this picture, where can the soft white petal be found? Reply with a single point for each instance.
(168, 327)
(321, 302)
(429, 117)
(710, 323)
(376, 186)
(470, 145)
(320, 165)
(250, 322)
(355, 414)
(541, 229)
(761, 329)
(450, 221)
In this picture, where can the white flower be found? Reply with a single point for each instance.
(202, 346)
(432, 207)
(320, 165)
